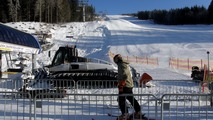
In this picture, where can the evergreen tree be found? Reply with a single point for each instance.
(27, 10)
(52, 11)
(64, 11)
(210, 12)
(90, 13)
(74, 10)
(3, 11)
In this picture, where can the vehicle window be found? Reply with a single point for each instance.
(58, 59)
(66, 60)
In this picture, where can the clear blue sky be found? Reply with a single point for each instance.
(113, 7)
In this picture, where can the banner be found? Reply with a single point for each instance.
(17, 48)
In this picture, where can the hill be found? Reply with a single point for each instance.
(129, 36)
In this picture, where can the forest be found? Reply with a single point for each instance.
(60, 11)
(179, 16)
(50, 11)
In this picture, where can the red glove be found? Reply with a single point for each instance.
(121, 85)
(120, 88)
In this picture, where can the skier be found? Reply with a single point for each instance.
(125, 86)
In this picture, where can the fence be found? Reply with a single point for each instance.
(186, 64)
(12, 108)
(84, 100)
(140, 60)
(185, 106)
(97, 106)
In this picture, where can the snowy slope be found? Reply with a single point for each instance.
(129, 36)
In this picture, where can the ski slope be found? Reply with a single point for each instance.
(129, 36)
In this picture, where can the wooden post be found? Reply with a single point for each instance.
(169, 62)
(177, 63)
(201, 63)
(147, 61)
(188, 63)
(157, 62)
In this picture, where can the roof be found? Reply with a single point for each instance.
(14, 40)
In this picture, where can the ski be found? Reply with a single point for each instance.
(111, 115)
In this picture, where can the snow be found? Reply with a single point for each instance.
(129, 36)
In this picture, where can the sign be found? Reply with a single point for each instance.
(17, 48)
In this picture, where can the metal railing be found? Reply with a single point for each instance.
(97, 106)
(83, 100)
(14, 108)
(186, 106)
(90, 106)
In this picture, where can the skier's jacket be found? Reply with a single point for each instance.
(124, 74)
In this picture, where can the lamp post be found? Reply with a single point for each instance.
(210, 84)
(83, 4)
(208, 62)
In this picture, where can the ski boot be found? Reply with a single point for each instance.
(137, 116)
(124, 116)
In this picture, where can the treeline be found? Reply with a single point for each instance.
(193, 15)
(50, 11)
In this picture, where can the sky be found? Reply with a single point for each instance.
(114, 7)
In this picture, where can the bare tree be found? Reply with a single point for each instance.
(11, 10)
(39, 9)
(17, 9)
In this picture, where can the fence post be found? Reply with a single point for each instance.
(201, 63)
(169, 62)
(188, 63)
(177, 63)
(136, 59)
(147, 61)
(157, 62)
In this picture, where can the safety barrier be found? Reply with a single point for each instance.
(186, 106)
(167, 100)
(88, 106)
(157, 88)
(98, 106)
(186, 64)
(14, 108)
(136, 59)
